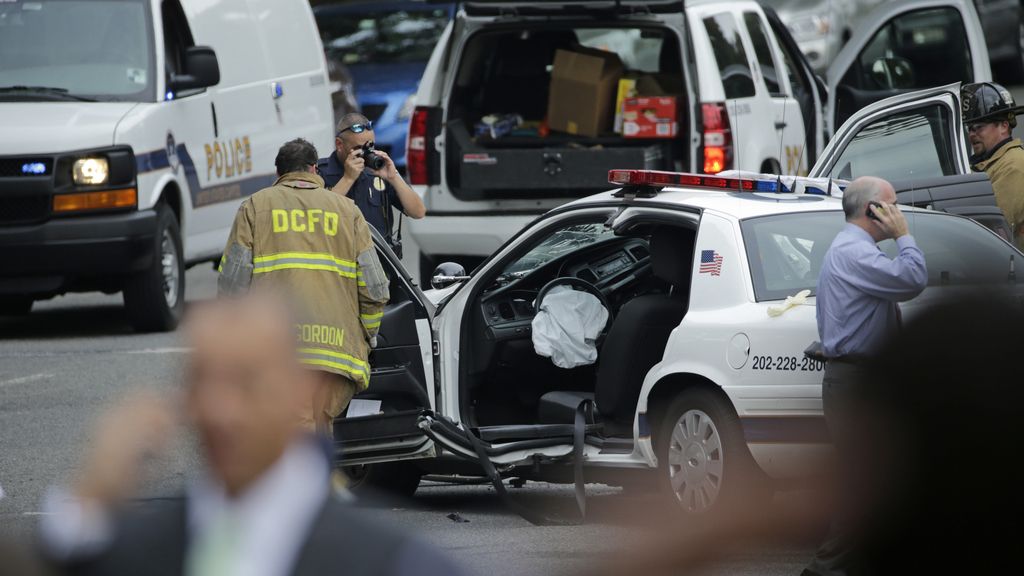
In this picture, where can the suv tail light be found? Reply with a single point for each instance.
(422, 159)
(717, 138)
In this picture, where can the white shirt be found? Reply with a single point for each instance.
(275, 514)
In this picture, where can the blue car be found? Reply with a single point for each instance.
(385, 47)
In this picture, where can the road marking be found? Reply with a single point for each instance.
(37, 513)
(157, 351)
(25, 379)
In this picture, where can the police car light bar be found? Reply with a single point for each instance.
(658, 179)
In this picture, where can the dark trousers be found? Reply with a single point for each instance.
(835, 556)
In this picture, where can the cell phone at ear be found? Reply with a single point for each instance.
(871, 214)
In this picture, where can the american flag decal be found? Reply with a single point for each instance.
(710, 262)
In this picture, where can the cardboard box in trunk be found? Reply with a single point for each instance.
(583, 89)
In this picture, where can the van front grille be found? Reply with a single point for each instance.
(19, 167)
(24, 209)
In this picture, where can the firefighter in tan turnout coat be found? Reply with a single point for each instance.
(314, 246)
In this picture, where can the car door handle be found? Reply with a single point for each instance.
(780, 125)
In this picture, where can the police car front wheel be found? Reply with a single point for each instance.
(155, 297)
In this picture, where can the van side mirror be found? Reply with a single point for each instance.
(201, 70)
(446, 274)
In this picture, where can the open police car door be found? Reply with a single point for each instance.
(905, 137)
(906, 45)
(380, 424)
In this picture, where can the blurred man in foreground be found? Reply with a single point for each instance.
(263, 507)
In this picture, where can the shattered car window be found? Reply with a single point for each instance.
(559, 243)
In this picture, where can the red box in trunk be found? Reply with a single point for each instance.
(649, 117)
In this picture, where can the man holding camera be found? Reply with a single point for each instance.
(369, 177)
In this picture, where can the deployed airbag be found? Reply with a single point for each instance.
(566, 327)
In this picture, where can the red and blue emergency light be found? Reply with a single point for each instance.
(659, 179)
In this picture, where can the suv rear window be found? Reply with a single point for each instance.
(786, 252)
(509, 70)
(731, 56)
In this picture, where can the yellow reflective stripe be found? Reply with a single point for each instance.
(371, 320)
(301, 266)
(304, 255)
(341, 355)
(344, 367)
(361, 284)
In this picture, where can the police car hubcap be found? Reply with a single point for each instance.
(695, 461)
(169, 268)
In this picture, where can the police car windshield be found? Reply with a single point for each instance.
(78, 49)
(382, 37)
(561, 242)
(785, 252)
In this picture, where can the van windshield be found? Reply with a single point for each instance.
(76, 50)
(381, 37)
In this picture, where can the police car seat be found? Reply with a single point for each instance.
(635, 342)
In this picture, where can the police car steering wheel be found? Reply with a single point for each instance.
(583, 286)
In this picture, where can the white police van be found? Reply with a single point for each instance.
(699, 375)
(747, 99)
(131, 129)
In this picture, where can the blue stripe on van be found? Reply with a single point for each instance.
(785, 430)
(158, 160)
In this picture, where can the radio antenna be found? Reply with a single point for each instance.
(736, 145)
(782, 131)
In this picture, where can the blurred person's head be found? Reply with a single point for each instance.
(353, 131)
(859, 194)
(939, 441)
(244, 385)
(296, 156)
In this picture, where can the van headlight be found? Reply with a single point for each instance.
(90, 171)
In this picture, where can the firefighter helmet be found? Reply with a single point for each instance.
(988, 102)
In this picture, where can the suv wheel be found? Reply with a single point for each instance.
(15, 305)
(703, 462)
(155, 297)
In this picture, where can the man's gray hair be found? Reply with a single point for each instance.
(349, 119)
(859, 193)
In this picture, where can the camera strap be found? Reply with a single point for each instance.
(389, 219)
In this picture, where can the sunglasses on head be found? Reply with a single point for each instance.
(357, 128)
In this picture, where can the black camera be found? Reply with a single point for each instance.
(373, 160)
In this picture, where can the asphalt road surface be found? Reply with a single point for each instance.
(75, 355)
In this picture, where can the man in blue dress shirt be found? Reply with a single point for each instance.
(858, 295)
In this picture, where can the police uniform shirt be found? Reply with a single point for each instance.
(367, 192)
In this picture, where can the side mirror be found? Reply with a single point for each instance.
(201, 70)
(892, 73)
(446, 274)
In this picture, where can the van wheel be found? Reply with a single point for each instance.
(703, 462)
(398, 478)
(155, 297)
(15, 305)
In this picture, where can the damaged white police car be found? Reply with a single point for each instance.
(700, 377)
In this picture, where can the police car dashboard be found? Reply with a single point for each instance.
(615, 266)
